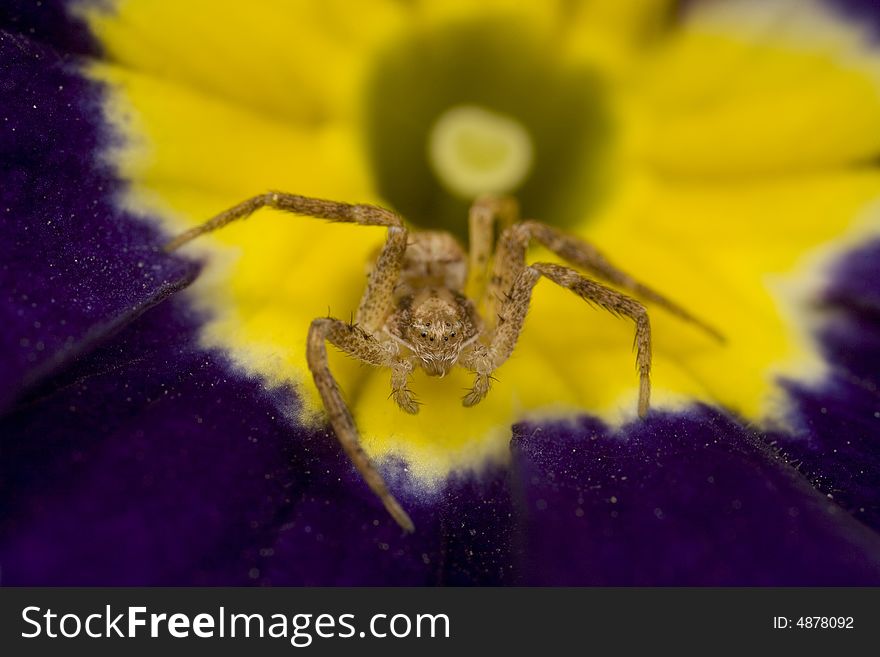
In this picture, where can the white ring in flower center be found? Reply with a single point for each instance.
(474, 151)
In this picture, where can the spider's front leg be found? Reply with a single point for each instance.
(483, 360)
(510, 288)
(357, 340)
(513, 245)
(359, 344)
(512, 313)
(617, 304)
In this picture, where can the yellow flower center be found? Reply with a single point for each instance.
(475, 151)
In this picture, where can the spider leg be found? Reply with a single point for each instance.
(511, 316)
(365, 215)
(378, 298)
(513, 244)
(357, 343)
(483, 215)
(377, 302)
(356, 339)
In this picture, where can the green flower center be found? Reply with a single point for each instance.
(474, 151)
(481, 107)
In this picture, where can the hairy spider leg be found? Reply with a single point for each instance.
(484, 214)
(365, 215)
(514, 243)
(483, 360)
(360, 345)
(361, 340)
(508, 289)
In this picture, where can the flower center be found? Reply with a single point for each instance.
(487, 105)
(475, 151)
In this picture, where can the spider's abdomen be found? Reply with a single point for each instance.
(433, 259)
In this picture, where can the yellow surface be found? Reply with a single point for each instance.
(736, 178)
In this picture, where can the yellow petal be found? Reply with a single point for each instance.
(296, 59)
(615, 35)
(749, 258)
(541, 16)
(757, 88)
(177, 136)
(606, 33)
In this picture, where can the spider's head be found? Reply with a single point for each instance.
(436, 328)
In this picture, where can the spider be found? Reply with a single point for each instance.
(416, 312)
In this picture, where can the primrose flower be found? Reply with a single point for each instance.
(161, 425)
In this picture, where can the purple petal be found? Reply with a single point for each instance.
(50, 22)
(73, 267)
(463, 537)
(151, 462)
(837, 423)
(854, 283)
(142, 465)
(863, 12)
(680, 499)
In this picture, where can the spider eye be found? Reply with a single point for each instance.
(445, 338)
(452, 334)
(424, 335)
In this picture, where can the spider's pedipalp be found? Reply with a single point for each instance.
(401, 394)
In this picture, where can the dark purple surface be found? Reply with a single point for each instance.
(836, 442)
(49, 21)
(72, 266)
(865, 12)
(463, 537)
(150, 462)
(680, 499)
(854, 285)
(132, 456)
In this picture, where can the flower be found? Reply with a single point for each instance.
(723, 154)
